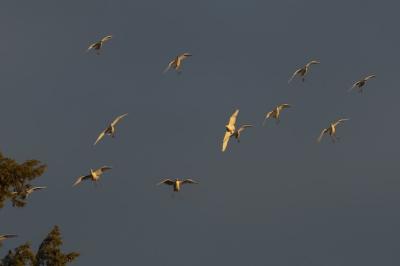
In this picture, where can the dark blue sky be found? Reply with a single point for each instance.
(277, 198)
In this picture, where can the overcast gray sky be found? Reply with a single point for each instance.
(277, 198)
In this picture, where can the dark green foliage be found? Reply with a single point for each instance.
(15, 177)
(49, 253)
(21, 256)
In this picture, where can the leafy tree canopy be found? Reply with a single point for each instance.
(49, 253)
(15, 179)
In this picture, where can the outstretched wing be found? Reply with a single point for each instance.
(38, 188)
(189, 181)
(93, 45)
(227, 136)
(243, 128)
(102, 134)
(169, 66)
(312, 62)
(107, 38)
(102, 169)
(340, 121)
(116, 120)
(354, 85)
(232, 119)
(8, 236)
(79, 180)
(284, 105)
(166, 182)
(184, 56)
(322, 134)
(369, 77)
(268, 115)
(294, 74)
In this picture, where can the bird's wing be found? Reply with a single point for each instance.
(354, 85)
(92, 46)
(226, 140)
(189, 181)
(244, 127)
(116, 120)
(8, 236)
(312, 62)
(321, 135)
(294, 74)
(100, 136)
(232, 119)
(169, 66)
(80, 179)
(340, 121)
(267, 115)
(284, 105)
(103, 169)
(107, 38)
(166, 181)
(184, 56)
(38, 188)
(369, 77)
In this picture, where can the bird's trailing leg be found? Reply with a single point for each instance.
(303, 79)
(277, 121)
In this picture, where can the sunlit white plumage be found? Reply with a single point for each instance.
(360, 84)
(176, 63)
(7, 236)
(275, 113)
(177, 183)
(331, 130)
(230, 130)
(97, 45)
(110, 130)
(29, 190)
(94, 175)
(302, 72)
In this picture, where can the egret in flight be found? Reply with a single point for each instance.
(230, 130)
(176, 63)
(29, 190)
(177, 183)
(110, 130)
(331, 130)
(360, 84)
(302, 72)
(4, 237)
(276, 112)
(93, 176)
(97, 45)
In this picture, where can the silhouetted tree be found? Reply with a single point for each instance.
(21, 256)
(15, 178)
(49, 253)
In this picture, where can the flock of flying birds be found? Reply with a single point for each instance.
(230, 129)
